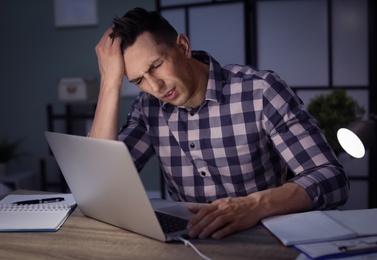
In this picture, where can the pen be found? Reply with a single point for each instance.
(39, 201)
(361, 247)
(347, 251)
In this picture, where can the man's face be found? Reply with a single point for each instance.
(162, 71)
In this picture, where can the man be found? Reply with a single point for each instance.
(224, 136)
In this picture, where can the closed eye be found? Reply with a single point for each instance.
(137, 81)
(156, 64)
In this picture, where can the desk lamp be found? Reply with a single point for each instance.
(357, 137)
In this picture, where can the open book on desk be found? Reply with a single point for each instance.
(322, 226)
(35, 213)
(356, 248)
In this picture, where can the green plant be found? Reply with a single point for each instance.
(8, 150)
(333, 111)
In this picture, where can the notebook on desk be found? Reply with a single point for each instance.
(35, 213)
(322, 225)
(106, 186)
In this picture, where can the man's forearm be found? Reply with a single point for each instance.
(228, 215)
(285, 199)
(105, 122)
(111, 67)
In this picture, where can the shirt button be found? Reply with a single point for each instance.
(203, 173)
(192, 145)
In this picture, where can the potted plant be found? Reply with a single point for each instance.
(8, 151)
(333, 111)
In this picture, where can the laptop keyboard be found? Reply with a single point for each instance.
(170, 224)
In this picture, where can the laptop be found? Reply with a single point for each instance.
(103, 180)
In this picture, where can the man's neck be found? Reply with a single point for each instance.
(201, 70)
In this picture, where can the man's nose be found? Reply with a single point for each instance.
(155, 83)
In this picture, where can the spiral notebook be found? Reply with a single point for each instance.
(43, 217)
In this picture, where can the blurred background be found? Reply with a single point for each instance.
(317, 46)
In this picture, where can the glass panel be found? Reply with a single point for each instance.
(360, 95)
(176, 18)
(219, 30)
(350, 42)
(164, 3)
(292, 40)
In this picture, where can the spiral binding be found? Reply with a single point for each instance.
(34, 207)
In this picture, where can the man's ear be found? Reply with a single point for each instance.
(184, 45)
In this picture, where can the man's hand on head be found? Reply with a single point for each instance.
(110, 60)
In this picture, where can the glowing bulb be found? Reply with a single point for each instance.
(351, 143)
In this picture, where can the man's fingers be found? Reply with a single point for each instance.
(225, 231)
(194, 208)
(207, 220)
(221, 218)
(217, 223)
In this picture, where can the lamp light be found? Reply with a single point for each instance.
(357, 137)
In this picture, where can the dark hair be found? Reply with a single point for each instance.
(138, 21)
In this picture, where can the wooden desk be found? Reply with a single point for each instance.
(84, 238)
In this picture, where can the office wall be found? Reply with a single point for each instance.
(34, 54)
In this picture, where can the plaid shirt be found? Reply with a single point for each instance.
(240, 140)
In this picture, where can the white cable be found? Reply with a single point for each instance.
(188, 243)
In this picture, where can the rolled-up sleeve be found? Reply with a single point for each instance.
(299, 141)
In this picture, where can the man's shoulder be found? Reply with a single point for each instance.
(233, 73)
(245, 71)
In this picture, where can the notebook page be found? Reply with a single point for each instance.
(361, 221)
(306, 227)
(34, 217)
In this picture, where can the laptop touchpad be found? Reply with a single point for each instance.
(177, 211)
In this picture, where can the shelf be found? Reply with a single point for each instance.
(68, 117)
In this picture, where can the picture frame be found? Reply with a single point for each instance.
(71, 13)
